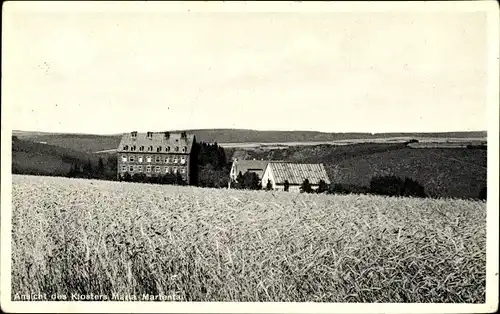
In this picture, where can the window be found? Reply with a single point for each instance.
(158, 149)
(167, 148)
(158, 159)
(157, 168)
(176, 148)
(132, 149)
(139, 159)
(167, 159)
(183, 160)
(174, 160)
(148, 168)
(141, 148)
(150, 148)
(124, 158)
(167, 169)
(175, 169)
(184, 149)
(131, 158)
(131, 168)
(183, 170)
(148, 158)
(139, 168)
(124, 168)
(125, 147)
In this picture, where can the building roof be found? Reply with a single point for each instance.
(157, 139)
(297, 173)
(257, 166)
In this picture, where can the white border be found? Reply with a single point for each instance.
(489, 7)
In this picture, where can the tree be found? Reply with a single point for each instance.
(87, 169)
(394, 186)
(482, 193)
(239, 181)
(413, 188)
(269, 185)
(306, 186)
(100, 166)
(127, 177)
(178, 179)
(322, 187)
(250, 180)
(286, 186)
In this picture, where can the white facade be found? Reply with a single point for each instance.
(268, 175)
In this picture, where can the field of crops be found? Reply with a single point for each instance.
(111, 238)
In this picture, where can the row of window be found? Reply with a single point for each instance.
(158, 159)
(150, 148)
(139, 168)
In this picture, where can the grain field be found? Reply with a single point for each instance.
(73, 236)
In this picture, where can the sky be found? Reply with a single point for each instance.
(106, 72)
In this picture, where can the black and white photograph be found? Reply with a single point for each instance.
(250, 157)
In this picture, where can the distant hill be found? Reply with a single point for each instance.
(35, 158)
(87, 143)
(93, 143)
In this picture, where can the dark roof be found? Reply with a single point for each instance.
(257, 166)
(158, 139)
(297, 173)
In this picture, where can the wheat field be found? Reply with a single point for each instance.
(81, 237)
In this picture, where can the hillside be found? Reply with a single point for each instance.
(43, 159)
(444, 172)
(93, 143)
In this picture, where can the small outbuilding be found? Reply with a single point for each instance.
(279, 172)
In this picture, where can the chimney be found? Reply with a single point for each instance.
(167, 135)
(133, 134)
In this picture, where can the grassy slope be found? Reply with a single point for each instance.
(92, 143)
(444, 172)
(32, 157)
(84, 236)
(87, 143)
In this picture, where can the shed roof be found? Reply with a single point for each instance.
(297, 173)
(257, 166)
(157, 139)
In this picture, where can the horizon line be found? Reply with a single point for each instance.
(254, 130)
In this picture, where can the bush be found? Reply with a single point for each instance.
(483, 194)
(126, 177)
(269, 185)
(248, 180)
(413, 188)
(139, 177)
(395, 186)
(322, 187)
(306, 187)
